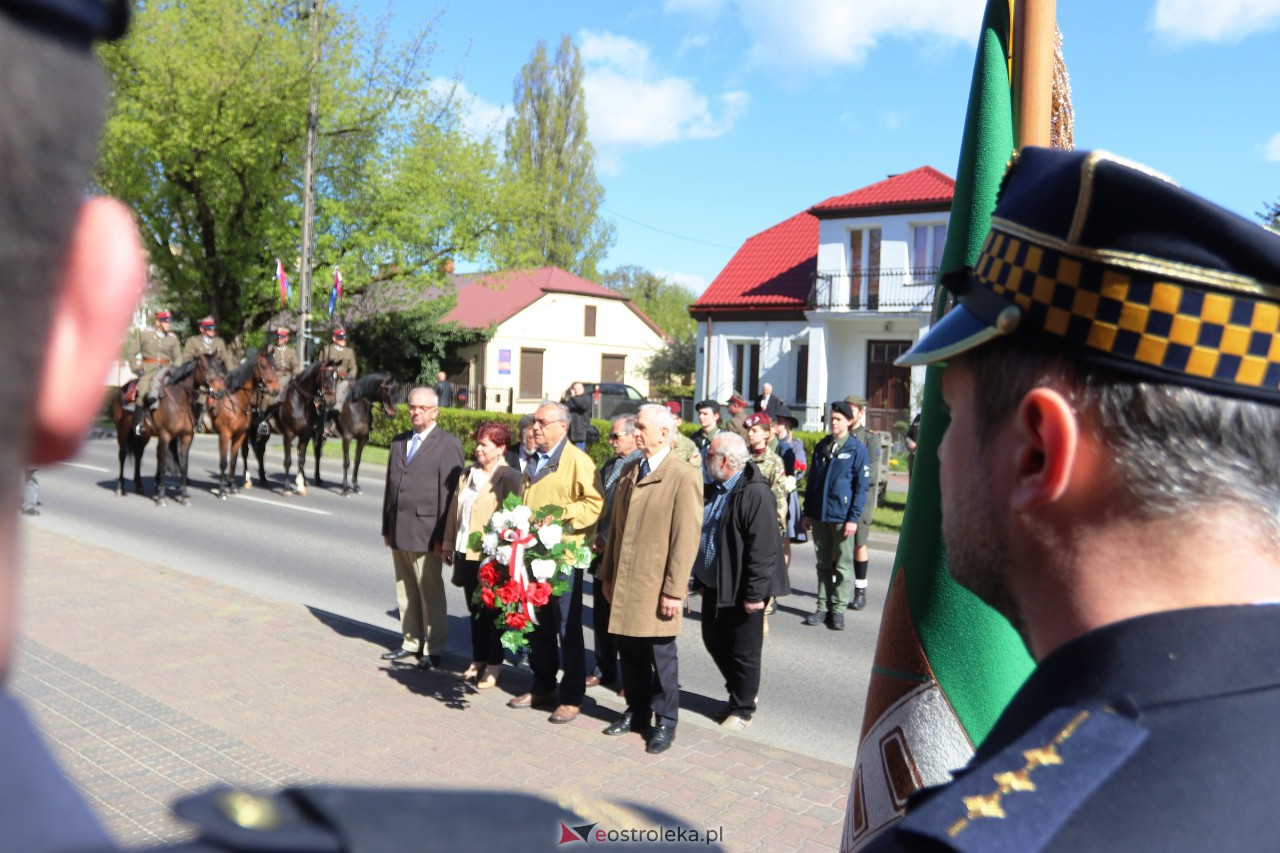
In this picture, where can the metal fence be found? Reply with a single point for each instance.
(906, 291)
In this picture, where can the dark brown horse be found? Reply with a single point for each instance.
(172, 423)
(248, 387)
(301, 404)
(355, 418)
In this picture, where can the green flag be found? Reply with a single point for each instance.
(945, 663)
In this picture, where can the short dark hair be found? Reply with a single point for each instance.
(1177, 450)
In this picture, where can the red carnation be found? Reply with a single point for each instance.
(516, 620)
(539, 594)
(511, 592)
(488, 575)
(487, 597)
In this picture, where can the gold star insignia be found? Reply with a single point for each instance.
(988, 806)
(1014, 780)
(1042, 757)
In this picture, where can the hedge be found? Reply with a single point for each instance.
(463, 423)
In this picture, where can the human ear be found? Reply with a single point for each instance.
(1049, 437)
(104, 277)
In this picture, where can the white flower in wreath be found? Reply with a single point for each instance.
(519, 518)
(504, 555)
(543, 570)
(550, 535)
(489, 542)
(498, 520)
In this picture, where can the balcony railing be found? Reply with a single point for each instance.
(896, 290)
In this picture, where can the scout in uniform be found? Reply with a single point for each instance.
(1110, 484)
(861, 550)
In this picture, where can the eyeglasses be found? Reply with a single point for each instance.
(422, 408)
(544, 424)
(614, 436)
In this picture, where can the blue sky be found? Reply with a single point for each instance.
(715, 119)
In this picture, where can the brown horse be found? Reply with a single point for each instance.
(355, 418)
(248, 387)
(172, 422)
(301, 404)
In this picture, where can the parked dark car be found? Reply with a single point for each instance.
(614, 398)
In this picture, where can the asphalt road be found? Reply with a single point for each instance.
(325, 552)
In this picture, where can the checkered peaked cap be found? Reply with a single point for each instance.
(1105, 261)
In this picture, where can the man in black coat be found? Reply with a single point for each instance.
(739, 558)
(1110, 482)
(422, 470)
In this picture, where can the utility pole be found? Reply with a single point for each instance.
(312, 9)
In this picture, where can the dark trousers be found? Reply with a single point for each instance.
(734, 639)
(650, 678)
(486, 637)
(560, 630)
(605, 647)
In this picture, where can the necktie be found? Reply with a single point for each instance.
(413, 447)
(644, 468)
(538, 459)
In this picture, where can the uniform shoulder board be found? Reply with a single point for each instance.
(1019, 799)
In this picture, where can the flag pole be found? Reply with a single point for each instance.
(1034, 22)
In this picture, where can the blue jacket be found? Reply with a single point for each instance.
(838, 481)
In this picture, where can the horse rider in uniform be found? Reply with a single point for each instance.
(345, 358)
(152, 352)
(284, 359)
(206, 342)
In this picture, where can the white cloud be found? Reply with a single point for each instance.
(1190, 21)
(1271, 149)
(694, 282)
(830, 33)
(630, 103)
(479, 117)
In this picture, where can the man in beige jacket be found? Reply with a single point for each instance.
(653, 541)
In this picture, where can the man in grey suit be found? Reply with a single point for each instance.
(424, 466)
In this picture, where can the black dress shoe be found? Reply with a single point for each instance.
(620, 726)
(399, 654)
(660, 739)
(836, 623)
(429, 662)
(817, 617)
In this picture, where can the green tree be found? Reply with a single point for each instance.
(206, 141)
(1270, 216)
(664, 302)
(558, 195)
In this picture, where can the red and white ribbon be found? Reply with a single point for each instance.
(519, 571)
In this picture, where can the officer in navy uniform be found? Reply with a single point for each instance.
(1111, 485)
(86, 287)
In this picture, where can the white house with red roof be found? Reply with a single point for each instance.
(822, 303)
(551, 328)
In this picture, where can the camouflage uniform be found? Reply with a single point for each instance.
(198, 345)
(685, 449)
(773, 472)
(150, 351)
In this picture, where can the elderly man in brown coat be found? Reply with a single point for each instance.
(653, 541)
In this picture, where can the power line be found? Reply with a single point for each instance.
(663, 231)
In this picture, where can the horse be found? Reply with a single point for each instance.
(173, 422)
(301, 404)
(355, 418)
(232, 415)
(129, 443)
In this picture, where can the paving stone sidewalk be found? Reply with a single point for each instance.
(150, 683)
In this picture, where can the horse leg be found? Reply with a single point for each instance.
(224, 442)
(184, 452)
(317, 442)
(123, 446)
(237, 445)
(355, 473)
(346, 465)
(138, 448)
(162, 452)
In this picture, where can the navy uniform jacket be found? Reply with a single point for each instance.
(838, 481)
(1171, 724)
